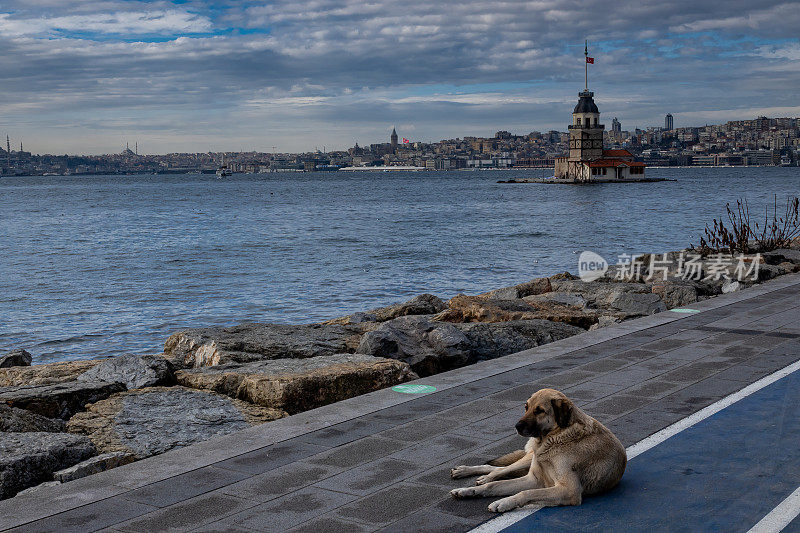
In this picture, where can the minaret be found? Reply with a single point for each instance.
(393, 140)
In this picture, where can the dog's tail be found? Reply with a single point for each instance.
(508, 459)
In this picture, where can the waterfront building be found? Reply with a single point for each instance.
(668, 122)
(588, 160)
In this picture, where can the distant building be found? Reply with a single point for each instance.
(393, 141)
(668, 122)
(616, 127)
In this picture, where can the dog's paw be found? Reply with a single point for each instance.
(484, 479)
(460, 471)
(501, 506)
(466, 492)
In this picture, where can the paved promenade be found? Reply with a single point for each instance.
(381, 461)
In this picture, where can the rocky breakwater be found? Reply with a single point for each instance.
(66, 420)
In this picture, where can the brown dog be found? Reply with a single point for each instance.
(569, 455)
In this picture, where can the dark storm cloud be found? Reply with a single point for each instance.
(310, 72)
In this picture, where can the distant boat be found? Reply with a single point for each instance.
(223, 169)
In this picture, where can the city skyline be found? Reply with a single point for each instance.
(200, 76)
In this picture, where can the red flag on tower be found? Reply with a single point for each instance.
(405, 141)
(590, 60)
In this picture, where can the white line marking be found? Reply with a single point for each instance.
(507, 519)
(781, 516)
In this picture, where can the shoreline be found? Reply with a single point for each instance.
(110, 411)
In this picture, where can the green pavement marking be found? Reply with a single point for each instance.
(413, 389)
(684, 310)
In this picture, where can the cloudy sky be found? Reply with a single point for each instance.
(86, 76)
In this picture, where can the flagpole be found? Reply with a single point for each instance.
(586, 62)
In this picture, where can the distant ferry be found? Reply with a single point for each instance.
(223, 169)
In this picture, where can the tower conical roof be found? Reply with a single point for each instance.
(586, 103)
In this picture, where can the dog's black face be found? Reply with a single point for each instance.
(545, 411)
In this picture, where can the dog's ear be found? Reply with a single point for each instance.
(562, 410)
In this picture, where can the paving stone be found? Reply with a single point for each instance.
(640, 424)
(565, 379)
(89, 517)
(653, 388)
(494, 427)
(422, 428)
(365, 479)
(744, 373)
(591, 391)
(187, 515)
(390, 505)
(280, 481)
(616, 405)
(184, 486)
(627, 376)
(358, 452)
(345, 432)
(474, 509)
(329, 524)
(701, 394)
(271, 457)
(693, 372)
(440, 449)
(430, 521)
(291, 510)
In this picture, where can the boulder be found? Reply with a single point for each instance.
(535, 286)
(20, 420)
(431, 347)
(424, 304)
(133, 371)
(782, 255)
(558, 297)
(633, 304)
(45, 374)
(428, 346)
(479, 309)
(676, 293)
(18, 357)
(60, 400)
(256, 342)
(296, 385)
(150, 421)
(492, 340)
(27, 459)
(624, 300)
(93, 465)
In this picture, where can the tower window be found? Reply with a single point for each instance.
(595, 121)
(578, 121)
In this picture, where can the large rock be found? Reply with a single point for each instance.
(535, 286)
(480, 309)
(93, 465)
(18, 357)
(677, 293)
(20, 420)
(61, 400)
(256, 342)
(782, 255)
(296, 385)
(431, 347)
(423, 304)
(150, 421)
(488, 341)
(45, 374)
(133, 371)
(27, 459)
(633, 304)
(428, 346)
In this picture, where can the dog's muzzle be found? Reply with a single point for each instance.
(527, 430)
